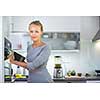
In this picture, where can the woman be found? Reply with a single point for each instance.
(37, 56)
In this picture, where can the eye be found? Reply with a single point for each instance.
(31, 31)
(37, 31)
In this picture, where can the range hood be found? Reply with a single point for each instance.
(97, 36)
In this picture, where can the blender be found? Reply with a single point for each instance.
(58, 71)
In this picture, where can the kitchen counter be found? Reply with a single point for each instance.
(64, 80)
(16, 80)
(77, 80)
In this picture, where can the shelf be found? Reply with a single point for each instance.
(74, 51)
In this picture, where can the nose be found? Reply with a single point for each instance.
(33, 33)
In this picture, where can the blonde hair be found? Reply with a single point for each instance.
(38, 23)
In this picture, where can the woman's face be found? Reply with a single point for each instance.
(35, 32)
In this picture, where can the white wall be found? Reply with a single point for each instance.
(5, 25)
(70, 61)
(88, 58)
(1, 53)
(96, 54)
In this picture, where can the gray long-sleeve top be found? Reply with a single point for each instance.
(36, 64)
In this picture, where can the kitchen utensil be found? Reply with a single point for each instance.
(18, 57)
(58, 71)
(57, 61)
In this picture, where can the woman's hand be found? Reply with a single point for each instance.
(11, 58)
(12, 61)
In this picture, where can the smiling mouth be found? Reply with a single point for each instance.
(33, 37)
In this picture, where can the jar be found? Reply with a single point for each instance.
(57, 61)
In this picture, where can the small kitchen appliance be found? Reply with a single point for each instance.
(58, 71)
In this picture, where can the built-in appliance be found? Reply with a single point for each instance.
(8, 51)
(7, 48)
(8, 71)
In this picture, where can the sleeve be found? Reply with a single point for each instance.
(40, 59)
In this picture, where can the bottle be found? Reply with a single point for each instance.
(18, 73)
(18, 70)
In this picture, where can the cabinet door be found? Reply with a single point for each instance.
(21, 42)
(20, 23)
(60, 23)
(62, 40)
(6, 25)
(51, 23)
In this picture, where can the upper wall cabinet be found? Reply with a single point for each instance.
(89, 27)
(50, 23)
(62, 41)
(60, 23)
(6, 25)
(20, 23)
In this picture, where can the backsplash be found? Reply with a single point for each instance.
(84, 61)
(70, 60)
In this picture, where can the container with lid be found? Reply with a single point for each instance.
(58, 61)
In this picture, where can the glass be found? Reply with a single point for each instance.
(58, 61)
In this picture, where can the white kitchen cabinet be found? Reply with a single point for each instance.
(89, 27)
(60, 23)
(62, 41)
(6, 25)
(20, 23)
(50, 23)
(21, 42)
